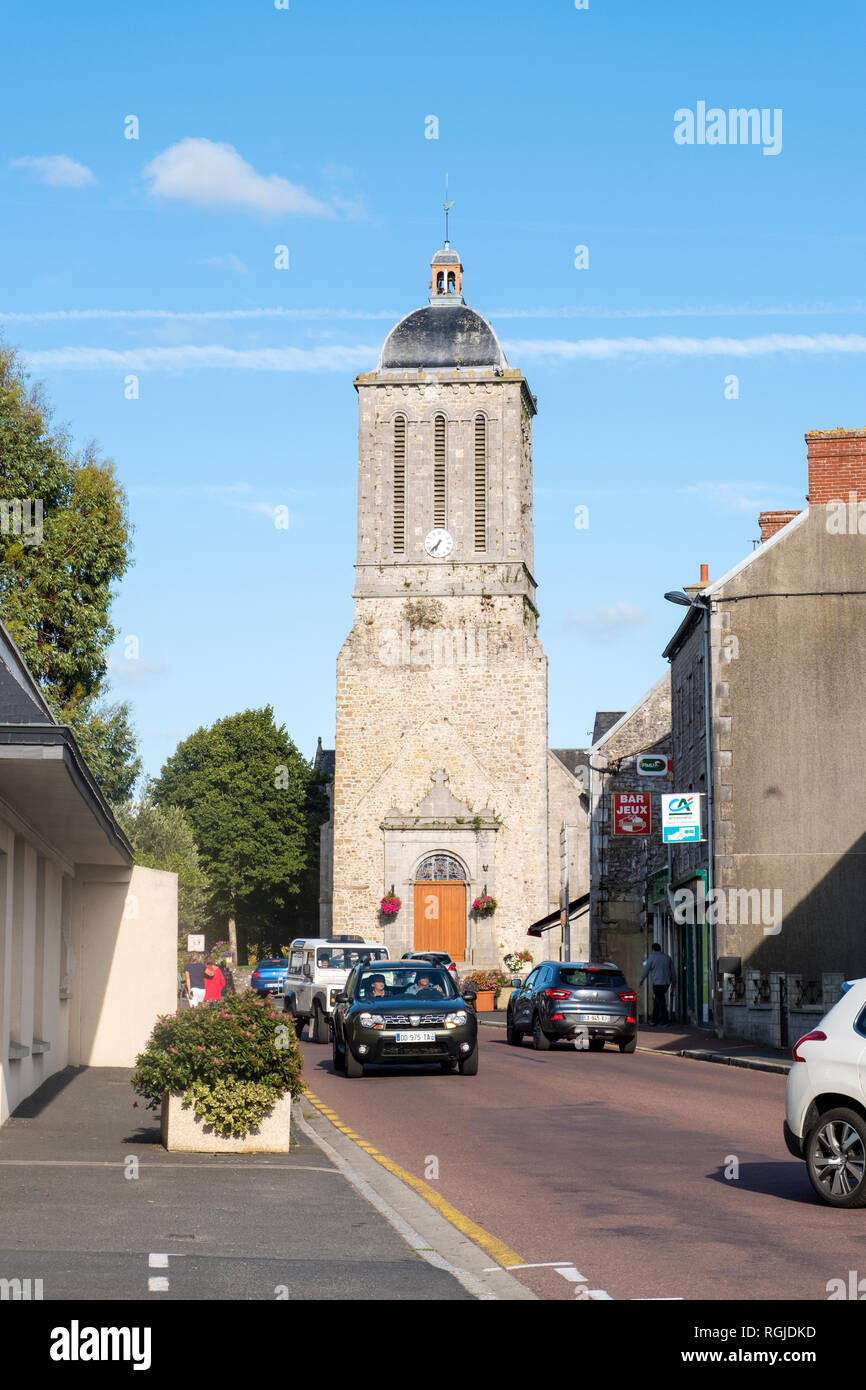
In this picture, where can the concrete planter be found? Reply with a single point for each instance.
(503, 996)
(182, 1132)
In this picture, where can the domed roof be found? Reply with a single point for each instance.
(446, 333)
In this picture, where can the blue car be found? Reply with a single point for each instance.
(269, 976)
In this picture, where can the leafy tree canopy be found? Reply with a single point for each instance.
(55, 594)
(107, 740)
(251, 799)
(163, 838)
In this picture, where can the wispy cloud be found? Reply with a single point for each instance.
(347, 357)
(605, 623)
(213, 174)
(235, 495)
(138, 672)
(392, 315)
(696, 311)
(332, 358)
(61, 315)
(229, 262)
(667, 346)
(56, 170)
(747, 497)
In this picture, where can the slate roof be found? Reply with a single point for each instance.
(604, 720)
(444, 334)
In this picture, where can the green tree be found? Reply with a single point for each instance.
(250, 797)
(163, 838)
(107, 740)
(56, 578)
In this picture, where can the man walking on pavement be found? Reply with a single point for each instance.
(660, 969)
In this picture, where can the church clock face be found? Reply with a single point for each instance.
(439, 543)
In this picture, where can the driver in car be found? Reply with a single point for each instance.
(423, 988)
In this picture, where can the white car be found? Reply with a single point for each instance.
(825, 1103)
(318, 968)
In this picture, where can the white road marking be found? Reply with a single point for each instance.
(157, 1284)
(157, 1261)
(567, 1270)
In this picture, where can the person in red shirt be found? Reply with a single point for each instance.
(214, 981)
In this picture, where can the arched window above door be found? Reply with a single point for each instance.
(440, 868)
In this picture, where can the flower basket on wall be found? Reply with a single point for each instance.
(484, 905)
(390, 905)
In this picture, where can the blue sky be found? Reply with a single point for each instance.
(306, 127)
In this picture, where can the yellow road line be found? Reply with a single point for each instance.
(501, 1252)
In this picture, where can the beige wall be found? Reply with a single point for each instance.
(86, 963)
(125, 941)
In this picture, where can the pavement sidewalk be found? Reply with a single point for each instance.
(95, 1208)
(694, 1043)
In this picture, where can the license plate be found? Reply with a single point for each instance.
(595, 1018)
(416, 1037)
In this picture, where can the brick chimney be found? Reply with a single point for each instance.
(771, 522)
(837, 465)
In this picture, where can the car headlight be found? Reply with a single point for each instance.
(371, 1021)
(456, 1020)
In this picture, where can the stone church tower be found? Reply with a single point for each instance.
(441, 761)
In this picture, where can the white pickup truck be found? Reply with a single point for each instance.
(319, 966)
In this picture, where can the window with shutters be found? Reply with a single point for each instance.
(439, 456)
(480, 482)
(400, 485)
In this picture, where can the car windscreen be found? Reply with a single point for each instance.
(347, 957)
(592, 979)
(403, 982)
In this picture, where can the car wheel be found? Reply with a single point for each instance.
(628, 1046)
(835, 1154)
(513, 1035)
(596, 1044)
(338, 1056)
(319, 1027)
(351, 1066)
(469, 1065)
(540, 1040)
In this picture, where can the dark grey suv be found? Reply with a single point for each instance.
(577, 1001)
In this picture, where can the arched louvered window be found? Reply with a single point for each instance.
(480, 482)
(439, 456)
(399, 535)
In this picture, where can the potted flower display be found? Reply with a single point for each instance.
(486, 983)
(224, 1075)
(484, 905)
(390, 904)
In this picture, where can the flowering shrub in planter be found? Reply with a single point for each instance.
(230, 1059)
(390, 905)
(484, 905)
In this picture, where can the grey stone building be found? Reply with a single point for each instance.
(778, 887)
(442, 774)
(628, 873)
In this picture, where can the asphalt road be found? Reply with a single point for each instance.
(614, 1164)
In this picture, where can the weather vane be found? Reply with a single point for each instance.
(446, 208)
